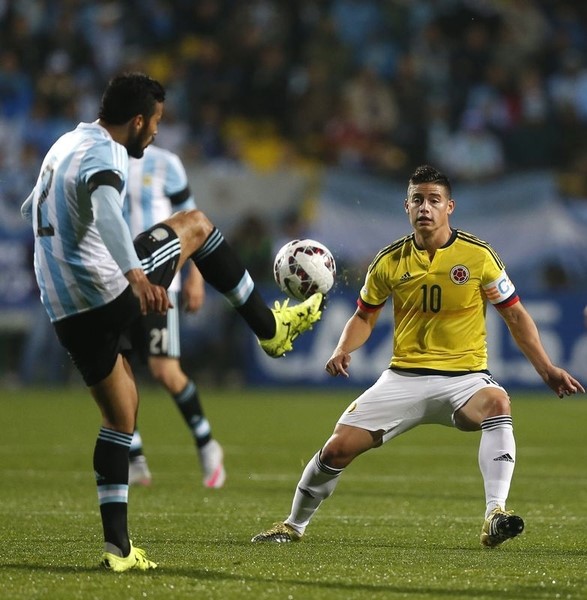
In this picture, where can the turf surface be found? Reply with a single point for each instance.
(403, 523)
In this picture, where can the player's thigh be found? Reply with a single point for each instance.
(160, 250)
(157, 336)
(94, 339)
(395, 403)
(490, 400)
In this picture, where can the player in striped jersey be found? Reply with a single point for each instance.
(158, 187)
(96, 282)
(439, 280)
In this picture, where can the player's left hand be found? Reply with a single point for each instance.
(562, 383)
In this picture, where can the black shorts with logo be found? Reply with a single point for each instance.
(95, 338)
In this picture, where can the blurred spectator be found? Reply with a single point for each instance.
(16, 90)
(432, 60)
(103, 25)
(264, 90)
(313, 107)
(254, 244)
(512, 50)
(410, 95)
(473, 152)
(534, 142)
(19, 168)
(372, 107)
(56, 87)
(495, 98)
(356, 21)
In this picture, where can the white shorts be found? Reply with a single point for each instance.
(399, 401)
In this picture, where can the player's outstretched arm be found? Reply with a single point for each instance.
(355, 333)
(527, 337)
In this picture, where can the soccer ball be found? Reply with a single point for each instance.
(304, 267)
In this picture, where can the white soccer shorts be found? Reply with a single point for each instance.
(399, 401)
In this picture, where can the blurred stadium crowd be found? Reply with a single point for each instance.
(479, 88)
(372, 85)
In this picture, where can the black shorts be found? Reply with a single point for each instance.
(95, 338)
(156, 335)
(159, 251)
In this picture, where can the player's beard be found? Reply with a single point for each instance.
(138, 142)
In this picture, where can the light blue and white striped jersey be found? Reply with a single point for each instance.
(74, 269)
(157, 187)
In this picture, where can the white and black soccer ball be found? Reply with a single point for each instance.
(304, 267)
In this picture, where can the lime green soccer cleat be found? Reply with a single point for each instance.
(280, 533)
(290, 321)
(136, 559)
(500, 526)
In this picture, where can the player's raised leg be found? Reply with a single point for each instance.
(203, 243)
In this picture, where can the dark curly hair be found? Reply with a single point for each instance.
(128, 95)
(428, 174)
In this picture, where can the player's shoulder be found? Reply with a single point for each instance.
(101, 151)
(393, 250)
(471, 240)
(474, 244)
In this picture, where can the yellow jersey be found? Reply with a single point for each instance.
(439, 305)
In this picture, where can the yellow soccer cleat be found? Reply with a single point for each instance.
(500, 526)
(136, 559)
(280, 533)
(290, 321)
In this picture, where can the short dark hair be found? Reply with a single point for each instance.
(428, 174)
(128, 95)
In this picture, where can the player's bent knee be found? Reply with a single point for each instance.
(198, 221)
(191, 225)
(498, 405)
(336, 456)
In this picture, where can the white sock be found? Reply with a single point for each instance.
(112, 549)
(316, 484)
(137, 441)
(497, 456)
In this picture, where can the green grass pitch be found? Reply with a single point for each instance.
(404, 521)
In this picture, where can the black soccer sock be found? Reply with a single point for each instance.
(222, 269)
(188, 402)
(111, 469)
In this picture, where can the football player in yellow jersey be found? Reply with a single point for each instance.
(439, 280)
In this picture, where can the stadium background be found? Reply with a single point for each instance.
(304, 118)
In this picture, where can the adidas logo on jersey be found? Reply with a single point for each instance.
(507, 457)
(405, 276)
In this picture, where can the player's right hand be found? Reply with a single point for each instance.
(338, 364)
(152, 298)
